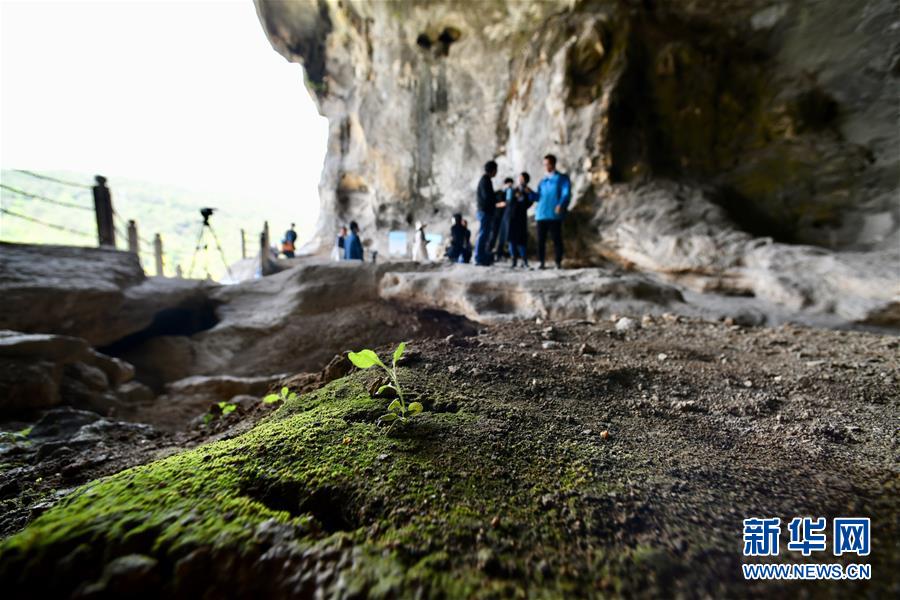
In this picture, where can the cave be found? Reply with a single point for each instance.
(708, 371)
(695, 103)
(423, 41)
(183, 320)
(440, 45)
(447, 37)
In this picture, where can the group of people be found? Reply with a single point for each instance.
(503, 222)
(348, 245)
(503, 217)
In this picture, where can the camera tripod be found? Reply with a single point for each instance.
(203, 244)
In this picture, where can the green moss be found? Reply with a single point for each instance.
(319, 467)
(200, 497)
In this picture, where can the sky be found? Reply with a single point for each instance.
(183, 93)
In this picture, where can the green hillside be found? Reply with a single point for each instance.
(171, 211)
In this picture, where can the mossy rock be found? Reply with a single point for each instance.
(316, 496)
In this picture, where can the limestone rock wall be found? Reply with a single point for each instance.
(785, 113)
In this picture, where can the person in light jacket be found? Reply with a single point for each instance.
(553, 192)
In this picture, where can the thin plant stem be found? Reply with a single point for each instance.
(393, 374)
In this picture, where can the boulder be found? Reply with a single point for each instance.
(56, 348)
(61, 424)
(40, 291)
(117, 371)
(297, 320)
(135, 392)
(502, 293)
(90, 377)
(28, 384)
(626, 324)
(687, 238)
(87, 387)
(63, 448)
(97, 294)
(39, 371)
(222, 387)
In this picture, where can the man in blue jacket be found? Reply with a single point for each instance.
(353, 249)
(487, 206)
(554, 192)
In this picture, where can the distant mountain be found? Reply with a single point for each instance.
(171, 211)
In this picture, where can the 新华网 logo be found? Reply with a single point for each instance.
(807, 536)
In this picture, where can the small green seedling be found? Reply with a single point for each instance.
(225, 409)
(284, 394)
(397, 409)
(15, 437)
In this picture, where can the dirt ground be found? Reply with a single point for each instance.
(677, 432)
(707, 424)
(572, 458)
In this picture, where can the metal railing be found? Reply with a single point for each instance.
(111, 226)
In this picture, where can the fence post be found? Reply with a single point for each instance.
(243, 245)
(266, 233)
(106, 231)
(263, 254)
(158, 254)
(133, 244)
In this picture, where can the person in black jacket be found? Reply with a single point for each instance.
(289, 242)
(467, 246)
(458, 234)
(501, 219)
(487, 206)
(517, 234)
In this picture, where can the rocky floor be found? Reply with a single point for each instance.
(565, 458)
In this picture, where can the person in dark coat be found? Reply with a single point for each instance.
(289, 242)
(517, 233)
(501, 219)
(353, 249)
(487, 207)
(467, 247)
(458, 240)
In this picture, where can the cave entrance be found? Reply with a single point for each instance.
(183, 320)
(750, 218)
